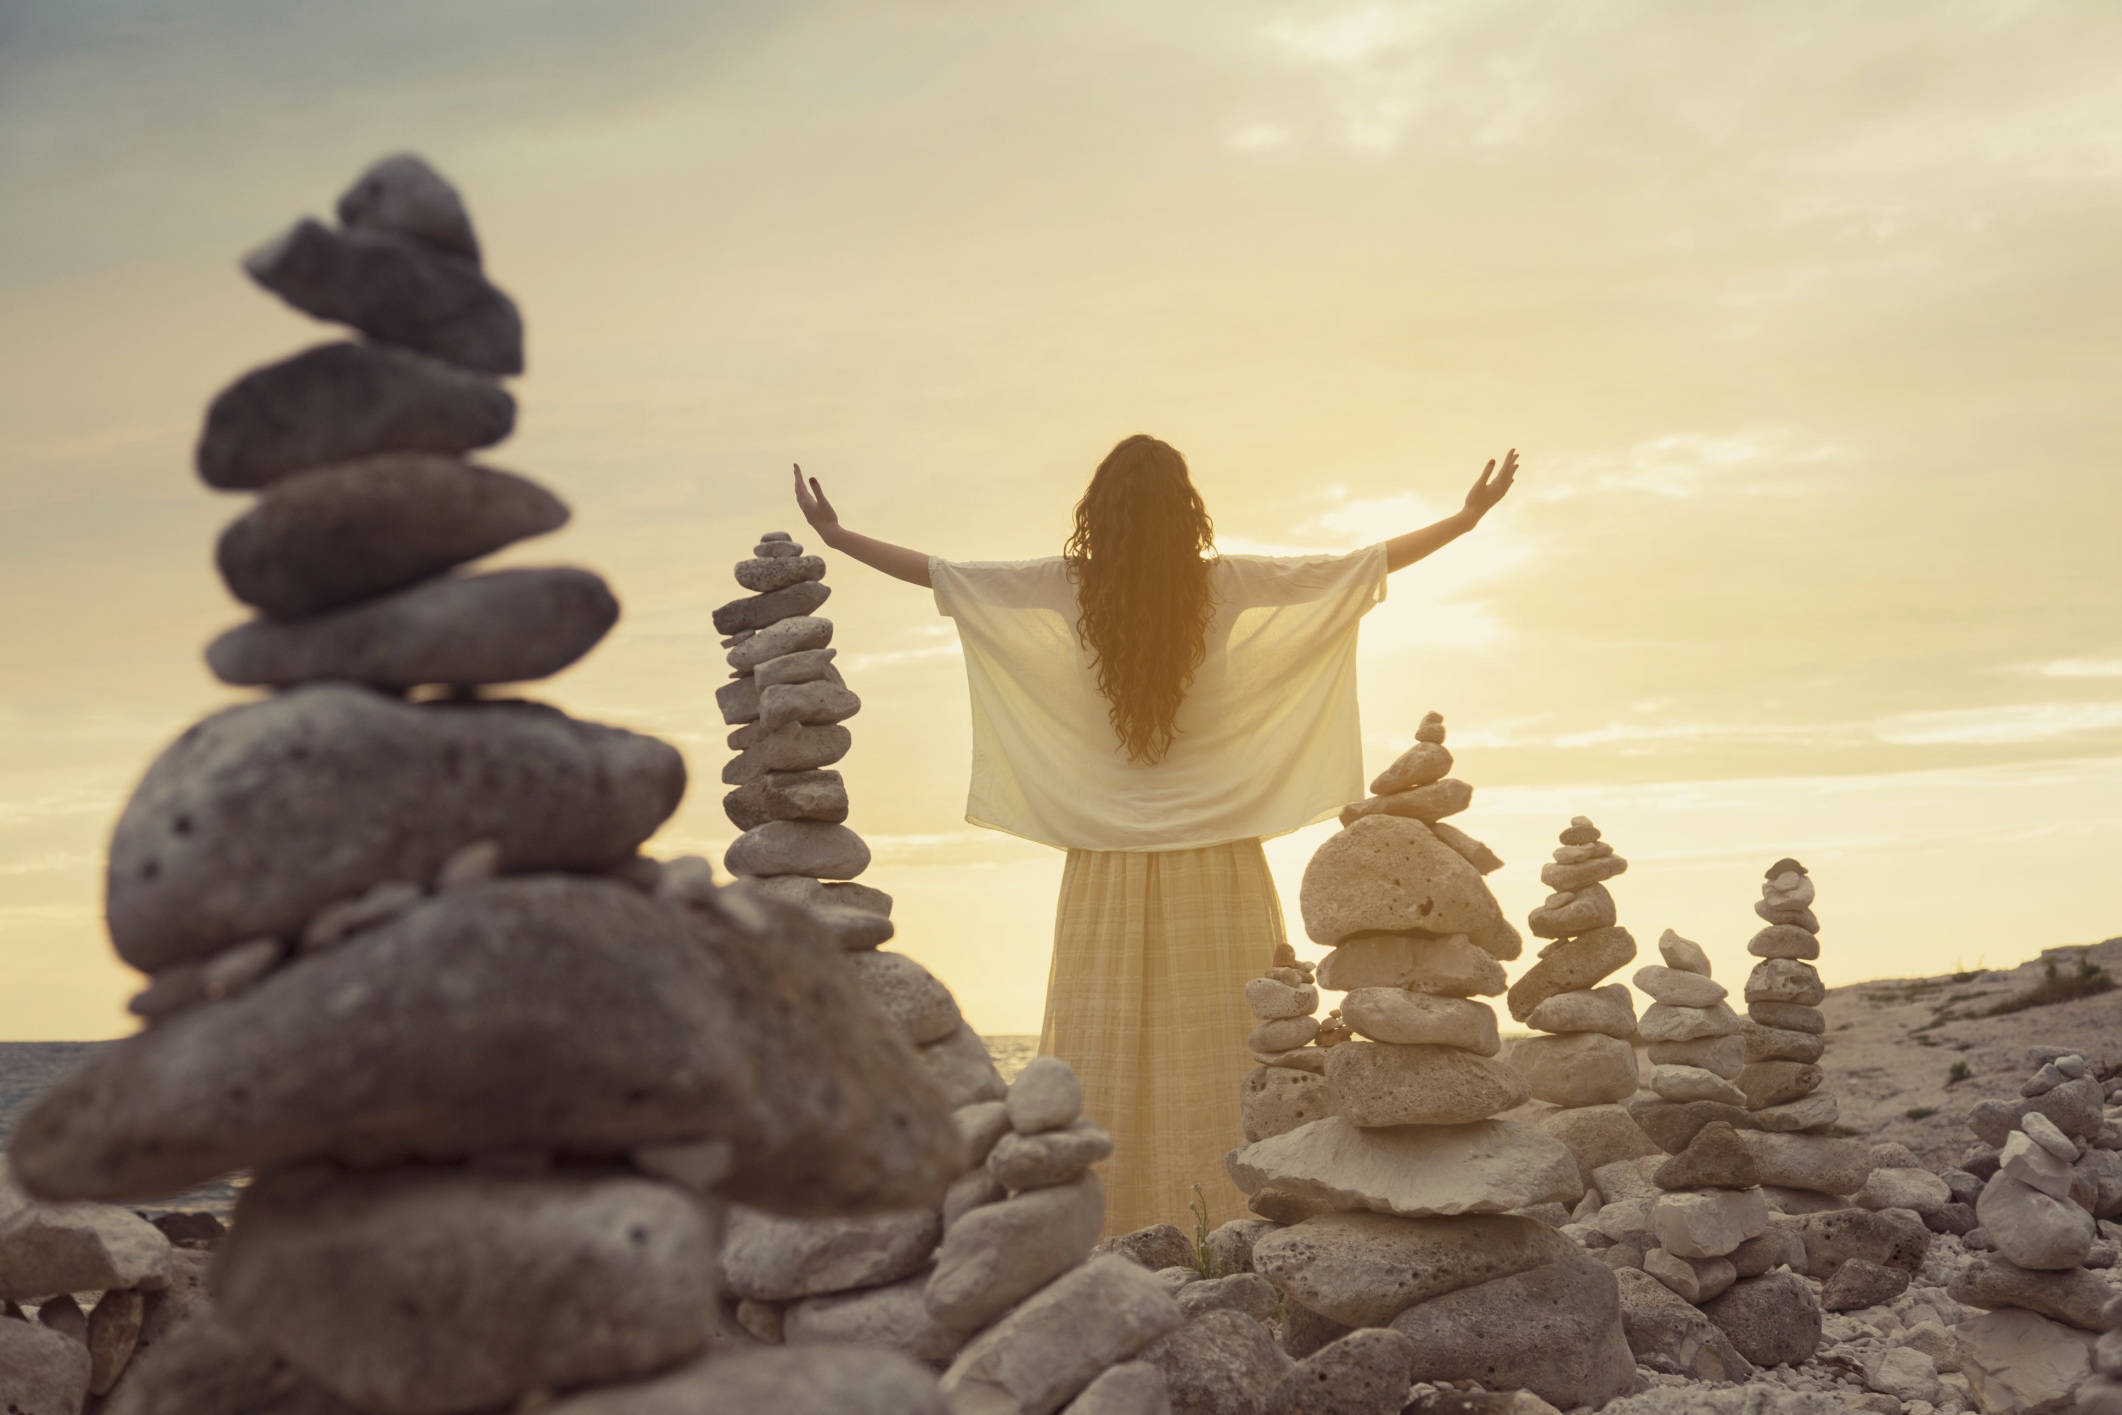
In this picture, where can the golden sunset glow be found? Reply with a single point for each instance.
(1802, 317)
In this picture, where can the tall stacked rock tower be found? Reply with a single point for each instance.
(492, 1072)
(1398, 1196)
(788, 702)
(1587, 1065)
(1783, 996)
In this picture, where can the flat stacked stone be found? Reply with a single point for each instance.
(494, 1075)
(1585, 1065)
(2043, 1194)
(1381, 1149)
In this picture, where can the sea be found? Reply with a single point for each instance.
(29, 1069)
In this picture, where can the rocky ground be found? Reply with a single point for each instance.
(1889, 1054)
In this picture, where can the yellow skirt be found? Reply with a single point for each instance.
(1146, 999)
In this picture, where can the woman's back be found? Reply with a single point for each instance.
(1265, 741)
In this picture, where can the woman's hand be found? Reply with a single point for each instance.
(894, 560)
(817, 510)
(1491, 486)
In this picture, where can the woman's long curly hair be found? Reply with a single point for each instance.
(1140, 556)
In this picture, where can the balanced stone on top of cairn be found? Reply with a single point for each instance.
(1586, 1066)
(1382, 1153)
(493, 1074)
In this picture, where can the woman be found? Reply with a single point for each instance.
(1156, 709)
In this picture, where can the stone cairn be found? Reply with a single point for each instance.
(1781, 1078)
(1391, 1189)
(1586, 1066)
(787, 703)
(996, 1285)
(493, 1074)
(2046, 1184)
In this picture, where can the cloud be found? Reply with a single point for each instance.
(1999, 726)
(1685, 465)
(2082, 668)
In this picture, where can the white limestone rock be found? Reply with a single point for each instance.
(1484, 1167)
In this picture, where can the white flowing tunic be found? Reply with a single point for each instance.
(1267, 739)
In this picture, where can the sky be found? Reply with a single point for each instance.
(1801, 316)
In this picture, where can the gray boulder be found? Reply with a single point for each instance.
(208, 1368)
(1034, 1360)
(2032, 1229)
(402, 194)
(1246, 1293)
(1279, 1099)
(1130, 1388)
(1364, 1373)
(1045, 1096)
(48, 1249)
(510, 626)
(1378, 1084)
(1861, 1283)
(1223, 1363)
(1389, 873)
(1772, 1320)
(1157, 1247)
(801, 1380)
(1837, 1236)
(394, 289)
(919, 1006)
(1363, 1269)
(959, 1066)
(765, 574)
(261, 815)
(819, 849)
(787, 795)
(1667, 1333)
(331, 536)
(1000, 1253)
(895, 1315)
(1573, 965)
(411, 1293)
(811, 704)
(764, 611)
(1565, 1341)
(794, 748)
(336, 402)
(798, 634)
(2073, 1296)
(534, 1012)
(1417, 1171)
(1021, 1162)
(773, 1258)
(41, 1371)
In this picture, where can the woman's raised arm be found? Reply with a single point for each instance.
(894, 560)
(1488, 489)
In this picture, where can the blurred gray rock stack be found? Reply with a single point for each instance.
(998, 1288)
(492, 1073)
(1381, 1153)
(2047, 1184)
(1586, 1065)
(57, 1358)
